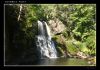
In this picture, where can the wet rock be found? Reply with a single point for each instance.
(81, 55)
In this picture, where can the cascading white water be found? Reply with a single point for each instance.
(45, 45)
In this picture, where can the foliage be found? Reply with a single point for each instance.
(79, 19)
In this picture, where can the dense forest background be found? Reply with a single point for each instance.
(77, 38)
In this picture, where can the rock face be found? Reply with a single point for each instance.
(56, 26)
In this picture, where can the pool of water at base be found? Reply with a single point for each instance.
(62, 62)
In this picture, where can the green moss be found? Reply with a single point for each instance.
(60, 45)
(71, 48)
(68, 44)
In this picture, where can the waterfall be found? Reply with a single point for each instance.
(45, 45)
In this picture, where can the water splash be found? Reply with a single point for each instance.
(45, 45)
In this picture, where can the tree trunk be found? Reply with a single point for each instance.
(20, 12)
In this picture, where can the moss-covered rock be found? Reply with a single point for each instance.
(71, 48)
(60, 45)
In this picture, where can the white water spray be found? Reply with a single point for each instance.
(45, 45)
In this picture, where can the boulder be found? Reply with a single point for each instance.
(56, 26)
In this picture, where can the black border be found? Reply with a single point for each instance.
(50, 1)
(1, 35)
(42, 2)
